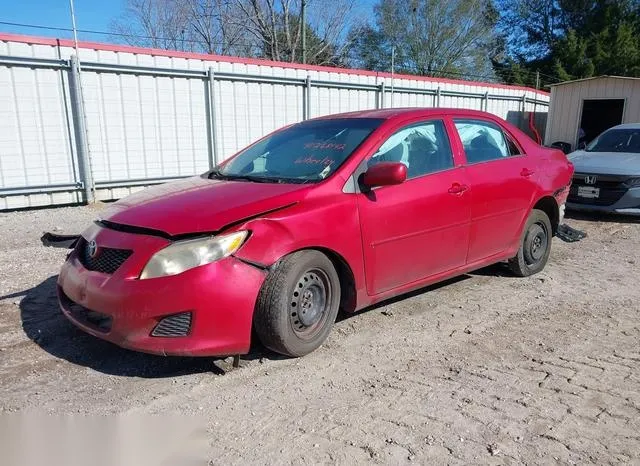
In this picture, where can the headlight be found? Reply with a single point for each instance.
(185, 255)
(632, 182)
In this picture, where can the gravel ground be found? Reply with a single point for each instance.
(487, 368)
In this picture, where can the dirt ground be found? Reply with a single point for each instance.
(487, 368)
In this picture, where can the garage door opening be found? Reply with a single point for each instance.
(599, 115)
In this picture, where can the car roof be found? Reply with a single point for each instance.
(627, 126)
(390, 113)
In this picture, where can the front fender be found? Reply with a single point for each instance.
(325, 224)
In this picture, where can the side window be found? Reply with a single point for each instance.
(514, 149)
(482, 141)
(424, 148)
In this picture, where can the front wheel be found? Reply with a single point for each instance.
(535, 245)
(298, 304)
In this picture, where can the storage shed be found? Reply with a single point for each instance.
(593, 105)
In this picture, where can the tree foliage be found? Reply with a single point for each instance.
(568, 39)
(262, 28)
(428, 37)
(480, 39)
(277, 27)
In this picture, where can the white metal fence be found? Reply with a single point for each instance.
(121, 118)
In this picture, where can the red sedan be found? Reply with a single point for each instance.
(337, 212)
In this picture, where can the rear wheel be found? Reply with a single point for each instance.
(298, 304)
(535, 245)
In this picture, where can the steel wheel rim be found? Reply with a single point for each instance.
(536, 243)
(309, 303)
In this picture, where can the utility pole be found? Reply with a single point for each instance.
(84, 156)
(303, 12)
(535, 102)
(393, 65)
(532, 119)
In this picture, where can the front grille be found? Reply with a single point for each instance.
(177, 325)
(96, 320)
(105, 260)
(612, 188)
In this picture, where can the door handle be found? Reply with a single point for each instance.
(457, 188)
(526, 172)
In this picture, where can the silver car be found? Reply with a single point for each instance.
(607, 172)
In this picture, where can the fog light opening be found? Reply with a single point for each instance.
(175, 325)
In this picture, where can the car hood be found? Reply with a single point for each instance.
(198, 204)
(609, 163)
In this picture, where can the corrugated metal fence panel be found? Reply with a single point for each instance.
(148, 122)
(502, 107)
(143, 127)
(247, 111)
(325, 101)
(35, 140)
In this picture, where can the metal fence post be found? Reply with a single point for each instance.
(486, 101)
(212, 133)
(438, 97)
(381, 95)
(306, 106)
(80, 131)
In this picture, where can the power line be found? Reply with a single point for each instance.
(121, 34)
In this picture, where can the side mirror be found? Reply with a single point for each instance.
(385, 174)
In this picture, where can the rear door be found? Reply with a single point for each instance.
(419, 228)
(502, 181)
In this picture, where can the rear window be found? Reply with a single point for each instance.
(483, 141)
(306, 152)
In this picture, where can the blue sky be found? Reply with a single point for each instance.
(90, 14)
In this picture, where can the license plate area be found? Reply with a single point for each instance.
(588, 192)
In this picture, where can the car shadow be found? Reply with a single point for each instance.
(345, 316)
(501, 269)
(601, 217)
(44, 324)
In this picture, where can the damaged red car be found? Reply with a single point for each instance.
(338, 212)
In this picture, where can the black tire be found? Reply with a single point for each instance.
(298, 304)
(535, 245)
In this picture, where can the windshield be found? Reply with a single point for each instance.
(305, 152)
(617, 140)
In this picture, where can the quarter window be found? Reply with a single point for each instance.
(513, 147)
(424, 148)
(482, 141)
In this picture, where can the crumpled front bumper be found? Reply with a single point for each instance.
(220, 297)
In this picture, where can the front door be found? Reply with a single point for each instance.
(419, 228)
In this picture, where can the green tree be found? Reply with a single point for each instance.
(370, 49)
(569, 39)
(570, 60)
